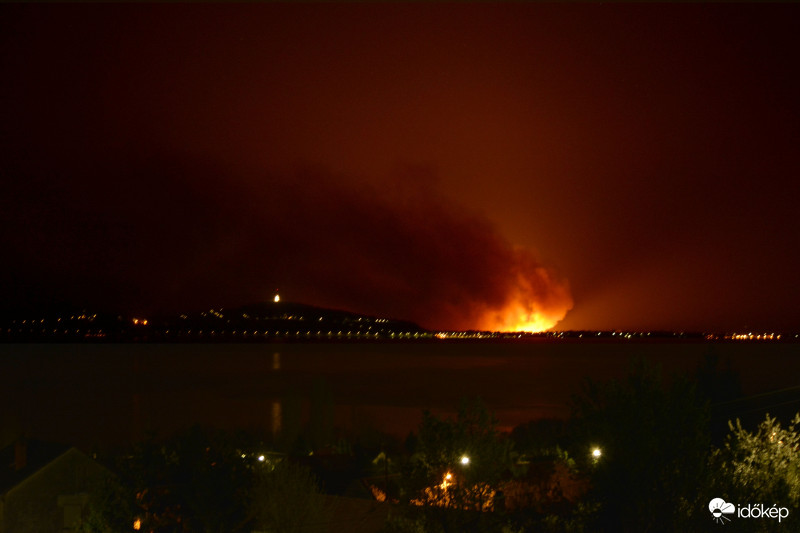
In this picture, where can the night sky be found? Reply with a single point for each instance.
(628, 166)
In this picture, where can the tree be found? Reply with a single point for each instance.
(456, 468)
(654, 444)
(761, 467)
(287, 499)
(197, 481)
(470, 448)
(110, 508)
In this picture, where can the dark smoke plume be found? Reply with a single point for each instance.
(158, 234)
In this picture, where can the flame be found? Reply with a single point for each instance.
(516, 318)
(535, 303)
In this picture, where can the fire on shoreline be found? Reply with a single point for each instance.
(536, 303)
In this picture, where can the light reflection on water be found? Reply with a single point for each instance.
(96, 393)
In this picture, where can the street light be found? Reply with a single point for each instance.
(596, 453)
(464, 460)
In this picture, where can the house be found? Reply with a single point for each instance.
(44, 486)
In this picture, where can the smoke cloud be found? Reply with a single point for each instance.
(161, 233)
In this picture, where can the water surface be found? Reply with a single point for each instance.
(87, 393)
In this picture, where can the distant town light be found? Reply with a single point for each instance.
(261, 458)
(277, 298)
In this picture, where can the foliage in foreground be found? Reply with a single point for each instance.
(657, 472)
(110, 508)
(760, 467)
(655, 444)
(436, 472)
(196, 481)
(287, 499)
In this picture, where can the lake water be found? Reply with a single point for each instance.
(105, 393)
